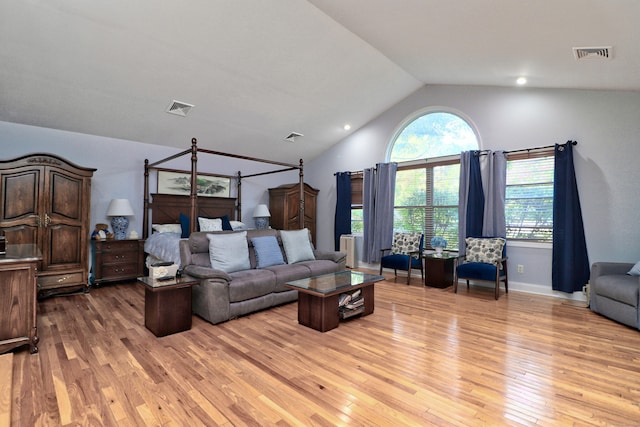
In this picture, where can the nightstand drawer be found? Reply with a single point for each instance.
(118, 257)
(115, 271)
(119, 245)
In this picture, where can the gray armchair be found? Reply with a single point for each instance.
(614, 293)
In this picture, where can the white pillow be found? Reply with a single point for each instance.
(210, 224)
(229, 252)
(297, 245)
(237, 225)
(167, 228)
(635, 270)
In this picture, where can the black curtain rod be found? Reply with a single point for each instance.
(541, 148)
(484, 152)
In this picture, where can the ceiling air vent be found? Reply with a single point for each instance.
(292, 136)
(581, 53)
(179, 108)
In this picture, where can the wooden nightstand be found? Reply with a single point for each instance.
(115, 260)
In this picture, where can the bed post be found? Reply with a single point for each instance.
(239, 198)
(194, 183)
(145, 213)
(301, 196)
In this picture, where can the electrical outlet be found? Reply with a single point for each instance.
(520, 268)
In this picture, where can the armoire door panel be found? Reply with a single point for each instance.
(65, 194)
(21, 199)
(65, 249)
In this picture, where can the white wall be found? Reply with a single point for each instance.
(120, 167)
(606, 125)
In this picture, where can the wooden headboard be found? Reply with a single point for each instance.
(167, 208)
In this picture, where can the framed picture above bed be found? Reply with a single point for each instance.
(180, 183)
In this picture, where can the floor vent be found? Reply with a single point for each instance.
(179, 108)
(581, 53)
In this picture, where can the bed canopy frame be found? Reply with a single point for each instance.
(198, 205)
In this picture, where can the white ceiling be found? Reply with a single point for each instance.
(257, 70)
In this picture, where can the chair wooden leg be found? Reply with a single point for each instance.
(409, 271)
(381, 269)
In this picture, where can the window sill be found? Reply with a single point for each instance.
(525, 244)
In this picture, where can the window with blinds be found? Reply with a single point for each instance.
(529, 198)
(426, 201)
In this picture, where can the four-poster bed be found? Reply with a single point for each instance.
(168, 208)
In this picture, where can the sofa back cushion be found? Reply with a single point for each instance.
(229, 252)
(267, 251)
(297, 245)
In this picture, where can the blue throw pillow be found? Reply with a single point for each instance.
(267, 250)
(226, 224)
(185, 223)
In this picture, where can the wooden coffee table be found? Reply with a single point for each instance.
(167, 304)
(318, 297)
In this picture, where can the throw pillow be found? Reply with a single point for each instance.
(209, 224)
(229, 252)
(488, 250)
(404, 243)
(185, 224)
(167, 228)
(268, 251)
(297, 245)
(635, 270)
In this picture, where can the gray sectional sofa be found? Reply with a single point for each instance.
(614, 293)
(221, 295)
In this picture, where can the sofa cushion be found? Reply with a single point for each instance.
(618, 287)
(229, 252)
(320, 266)
(297, 245)
(267, 251)
(247, 284)
(287, 273)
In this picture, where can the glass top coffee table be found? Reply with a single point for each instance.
(319, 296)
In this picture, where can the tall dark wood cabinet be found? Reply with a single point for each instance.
(45, 200)
(284, 206)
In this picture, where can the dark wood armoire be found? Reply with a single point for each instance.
(284, 206)
(46, 201)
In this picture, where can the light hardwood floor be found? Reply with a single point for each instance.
(425, 357)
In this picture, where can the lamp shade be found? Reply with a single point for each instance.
(261, 211)
(120, 207)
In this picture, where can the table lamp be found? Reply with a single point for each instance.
(261, 215)
(119, 210)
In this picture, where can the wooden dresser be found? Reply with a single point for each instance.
(45, 200)
(284, 206)
(115, 260)
(18, 296)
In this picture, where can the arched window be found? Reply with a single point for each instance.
(426, 198)
(432, 134)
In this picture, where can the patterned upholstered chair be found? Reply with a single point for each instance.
(404, 254)
(485, 261)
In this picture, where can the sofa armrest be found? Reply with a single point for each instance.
(334, 256)
(206, 273)
(608, 268)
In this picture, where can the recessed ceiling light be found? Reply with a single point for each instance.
(521, 81)
(347, 126)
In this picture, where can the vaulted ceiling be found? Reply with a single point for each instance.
(258, 70)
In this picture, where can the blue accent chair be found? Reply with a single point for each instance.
(401, 261)
(484, 272)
